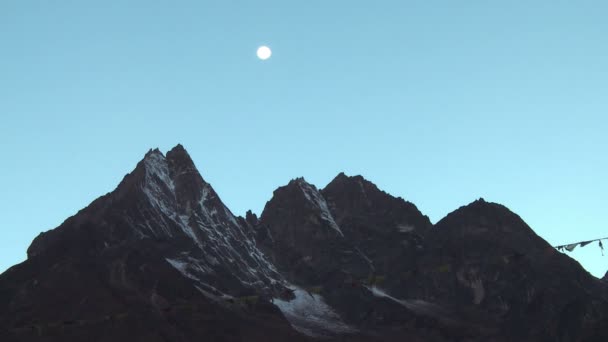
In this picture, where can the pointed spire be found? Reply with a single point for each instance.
(180, 160)
(251, 218)
(358, 182)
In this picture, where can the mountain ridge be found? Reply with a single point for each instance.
(161, 257)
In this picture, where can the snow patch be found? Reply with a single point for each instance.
(472, 281)
(208, 223)
(158, 186)
(361, 187)
(313, 196)
(309, 314)
(405, 228)
(185, 269)
(416, 305)
(368, 260)
(182, 267)
(156, 165)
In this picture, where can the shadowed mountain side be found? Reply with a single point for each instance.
(161, 258)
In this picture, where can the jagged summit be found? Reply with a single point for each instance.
(300, 202)
(166, 198)
(179, 147)
(178, 157)
(356, 185)
(343, 180)
(176, 150)
(180, 160)
(298, 231)
(343, 177)
(348, 195)
(152, 151)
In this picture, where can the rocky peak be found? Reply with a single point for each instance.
(355, 198)
(191, 189)
(343, 181)
(174, 186)
(300, 201)
(165, 198)
(388, 230)
(251, 218)
(489, 221)
(180, 162)
(176, 163)
(484, 214)
(299, 231)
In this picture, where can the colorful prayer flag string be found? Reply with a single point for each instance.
(570, 247)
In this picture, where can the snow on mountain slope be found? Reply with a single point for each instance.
(314, 197)
(163, 249)
(415, 305)
(219, 239)
(309, 314)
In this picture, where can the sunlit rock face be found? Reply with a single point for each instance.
(161, 258)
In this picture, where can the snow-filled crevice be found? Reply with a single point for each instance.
(309, 314)
(317, 200)
(188, 269)
(208, 223)
(417, 306)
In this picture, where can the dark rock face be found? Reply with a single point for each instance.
(388, 230)
(486, 259)
(161, 258)
(298, 230)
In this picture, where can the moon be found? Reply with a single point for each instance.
(264, 52)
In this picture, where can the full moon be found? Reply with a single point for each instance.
(264, 52)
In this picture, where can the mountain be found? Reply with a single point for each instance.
(161, 258)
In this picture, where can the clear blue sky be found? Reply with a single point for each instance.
(440, 102)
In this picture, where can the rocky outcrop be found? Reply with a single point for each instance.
(300, 233)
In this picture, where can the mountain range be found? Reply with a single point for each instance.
(161, 258)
